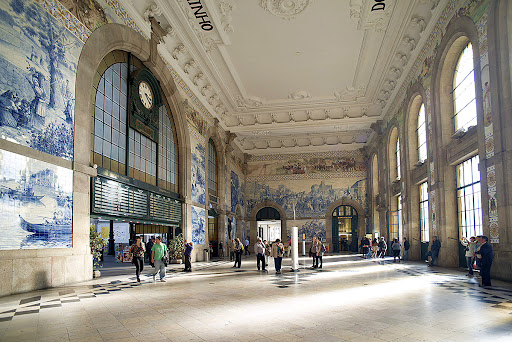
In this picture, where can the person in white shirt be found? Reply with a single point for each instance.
(259, 250)
(470, 251)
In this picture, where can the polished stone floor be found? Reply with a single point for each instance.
(349, 299)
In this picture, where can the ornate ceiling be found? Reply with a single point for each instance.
(292, 75)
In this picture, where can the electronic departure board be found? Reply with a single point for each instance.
(122, 200)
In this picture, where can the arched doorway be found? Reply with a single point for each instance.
(269, 225)
(345, 229)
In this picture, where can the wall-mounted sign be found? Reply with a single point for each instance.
(200, 14)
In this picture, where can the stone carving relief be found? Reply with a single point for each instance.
(350, 93)
(252, 101)
(180, 49)
(286, 9)
(152, 11)
(370, 17)
(299, 95)
(225, 10)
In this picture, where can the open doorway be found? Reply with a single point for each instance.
(269, 224)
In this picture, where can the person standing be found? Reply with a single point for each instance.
(138, 249)
(314, 251)
(246, 245)
(188, 256)
(321, 251)
(149, 248)
(267, 251)
(239, 249)
(277, 254)
(486, 256)
(396, 250)
(406, 246)
(221, 250)
(259, 250)
(365, 243)
(436, 247)
(158, 252)
(232, 250)
(470, 252)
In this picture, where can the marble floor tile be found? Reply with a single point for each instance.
(351, 299)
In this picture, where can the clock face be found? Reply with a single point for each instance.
(146, 95)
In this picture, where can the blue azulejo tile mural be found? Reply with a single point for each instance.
(38, 59)
(237, 192)
(198, 172)
(198, 225)
(36, 203)
(311, 228)
(310, 198)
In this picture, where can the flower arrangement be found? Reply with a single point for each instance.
(176, 248)
(97, 244)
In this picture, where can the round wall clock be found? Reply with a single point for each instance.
(146, 95)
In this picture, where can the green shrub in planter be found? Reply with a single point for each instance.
(176, 248)
(97, 244)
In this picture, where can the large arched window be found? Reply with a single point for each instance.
(464, 104)
(469, 203)
(397, 152)
(375, 192)
(421, 133)
(424, 223)
(394, 155)
(212, 168)
(118, 147)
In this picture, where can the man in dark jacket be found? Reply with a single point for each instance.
(436, 246)
(188, 256)
(486, 256)
(406, 245)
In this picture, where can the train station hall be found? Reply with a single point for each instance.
(255, 170)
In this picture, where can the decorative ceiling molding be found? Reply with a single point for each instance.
(371, 14)
(152, 11)
(286, 9)
(299, 95)
(226, 9)
(350, 93)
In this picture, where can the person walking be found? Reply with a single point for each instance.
(277, 254)
(246, 245)
(158, 252)
(188, 256)
(470, 247)
(239, 249)
(259, 250)
(137, 250)
(486, 256)
(436, 247)
(406, 246)
(396, 250)
(375, 248)
(382, 247)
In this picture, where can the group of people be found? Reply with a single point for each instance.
(377, 248)
(479, 253)
(158, 256)
(264, 250)
(317, 251)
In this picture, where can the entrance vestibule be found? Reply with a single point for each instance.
(269, 224)
(344, 229)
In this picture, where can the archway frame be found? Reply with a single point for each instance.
(254, 223)
(361, 218)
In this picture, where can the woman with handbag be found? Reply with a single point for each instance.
(137, 250)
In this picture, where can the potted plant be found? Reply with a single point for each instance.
(97, 244)
(176, 249)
